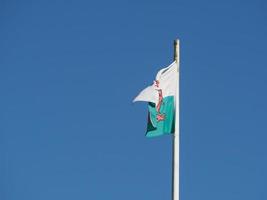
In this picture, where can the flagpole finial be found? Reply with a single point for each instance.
(176, 50)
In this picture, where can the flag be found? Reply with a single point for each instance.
(161, 101)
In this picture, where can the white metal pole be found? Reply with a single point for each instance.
(176, 136)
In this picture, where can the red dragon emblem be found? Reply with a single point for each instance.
(160, 116)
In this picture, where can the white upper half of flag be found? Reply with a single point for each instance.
(166, 81)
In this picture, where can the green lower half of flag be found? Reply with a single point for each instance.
(161, 122)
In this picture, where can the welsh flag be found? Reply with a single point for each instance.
(161, 101)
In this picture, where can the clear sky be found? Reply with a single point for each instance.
(70, 69)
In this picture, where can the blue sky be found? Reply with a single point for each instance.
(70, 69)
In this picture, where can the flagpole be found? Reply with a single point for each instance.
(176, 136)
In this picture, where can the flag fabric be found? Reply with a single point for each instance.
(161, 102)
